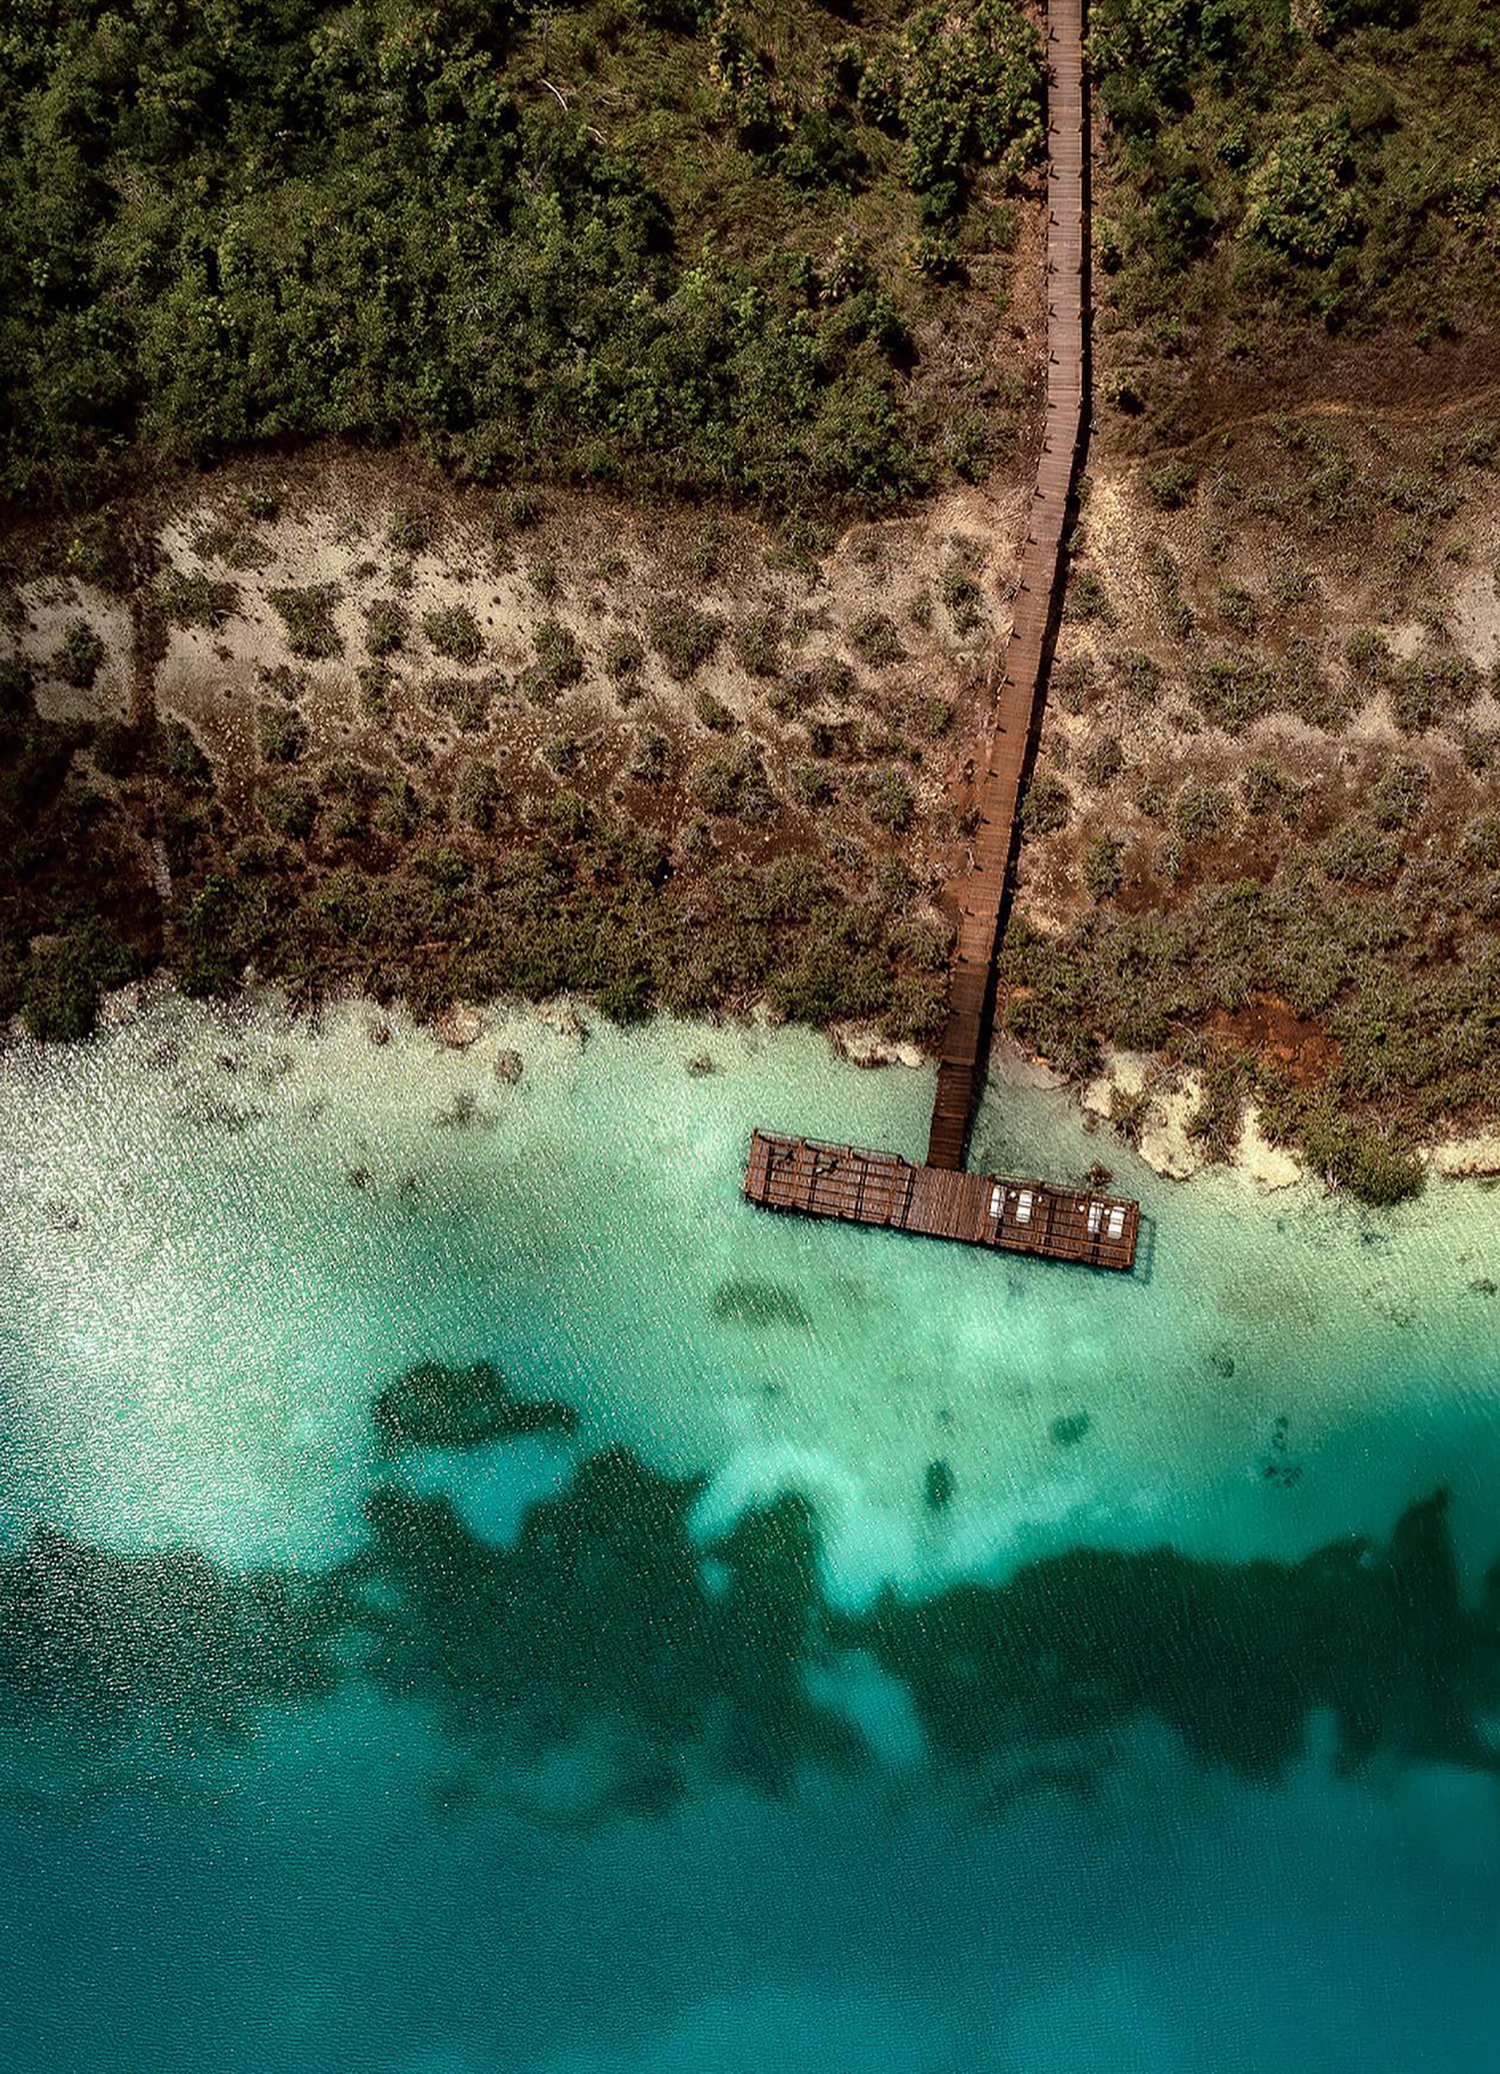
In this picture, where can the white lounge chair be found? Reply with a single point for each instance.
(1116, 1224)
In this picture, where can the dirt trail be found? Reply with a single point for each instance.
(1366, 413)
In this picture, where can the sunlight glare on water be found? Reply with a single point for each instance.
(226, 1234)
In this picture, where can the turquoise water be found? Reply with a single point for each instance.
(874, 1655)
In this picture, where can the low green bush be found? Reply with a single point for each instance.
(66, 974)
(682, 636)
(888, 799)
(290, 810)
(1264, 788)
(812, 786)
(409, 531)
(757, 643)
(623, 657)
(283, 734)
(651, 757)
(1298, 199)
(306, 611)
(961, 599)
(79, 655)
(454, 632)
(1233, 691)
(386, 624)
(1399, 798)
(1046, 805)
(1479, 846)
(378, 685)
(1087, 597)
(1102, 869)
(182, 760)
(1430, 687)
(557, 663)
(1373, 1166)
(1102, 762)
(1201, 810)
(734, 782)
(1172, 482)
(467, 699)
(191, 599)
(875, 639)
(830, 678)
(1369, 655)
(476, 796)
(401, 811)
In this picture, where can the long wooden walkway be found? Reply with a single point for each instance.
(982, 889)
(940, 1199)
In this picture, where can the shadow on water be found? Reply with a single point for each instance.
(1145, 1249)
(609, 1624)
(756, 1303)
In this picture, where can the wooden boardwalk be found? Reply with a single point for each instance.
(941, 1200)
(981, 891)
(879, 1188)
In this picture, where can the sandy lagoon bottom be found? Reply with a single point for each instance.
(876, 1655)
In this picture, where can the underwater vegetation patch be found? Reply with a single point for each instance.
(750, 1301)
(435, 1405)
(610, 1620)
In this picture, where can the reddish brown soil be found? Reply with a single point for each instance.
(1300, 1046)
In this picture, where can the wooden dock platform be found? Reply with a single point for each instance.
(814, 1179)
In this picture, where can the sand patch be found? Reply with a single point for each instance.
(51, 607)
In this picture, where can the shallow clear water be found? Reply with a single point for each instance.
(596, 1749)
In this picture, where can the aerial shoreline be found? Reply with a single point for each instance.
(572, 582)
(689, 760)
(1162, 1136)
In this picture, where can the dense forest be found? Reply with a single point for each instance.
(703, 245)
(640, 239)
(1284, 171)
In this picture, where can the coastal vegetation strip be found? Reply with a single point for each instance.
(1261, 830)
(513, 759)
(699, 765)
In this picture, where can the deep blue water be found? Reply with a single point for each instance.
(683, 1731)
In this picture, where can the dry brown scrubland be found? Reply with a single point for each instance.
(1282, 637)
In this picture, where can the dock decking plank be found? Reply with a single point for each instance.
(881, 1189)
